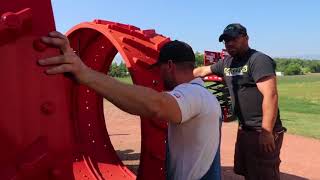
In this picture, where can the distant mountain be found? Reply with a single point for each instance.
(313, 57)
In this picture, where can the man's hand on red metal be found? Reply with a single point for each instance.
(267, 141)
(68, 62)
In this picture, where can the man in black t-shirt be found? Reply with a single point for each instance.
(250, 77)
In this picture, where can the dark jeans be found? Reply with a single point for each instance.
(251, 162)
(214, 173)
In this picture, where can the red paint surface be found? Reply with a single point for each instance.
(53, 128)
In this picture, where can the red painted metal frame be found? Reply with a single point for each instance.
(97, 43)
(35, 121)
(52, 128)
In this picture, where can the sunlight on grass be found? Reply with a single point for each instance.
(299, 102)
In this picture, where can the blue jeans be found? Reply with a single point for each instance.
(214, 172)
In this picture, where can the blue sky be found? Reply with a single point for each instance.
(279, 28)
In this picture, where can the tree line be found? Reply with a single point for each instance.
(118, 70)
(297, 66)
(289, 66)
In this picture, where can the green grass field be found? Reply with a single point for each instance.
(299, 101)
(126, 80)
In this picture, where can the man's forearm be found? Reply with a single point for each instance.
(270, 111)
(136, 100)
(202, 71)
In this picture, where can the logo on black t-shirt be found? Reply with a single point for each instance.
(235, 71)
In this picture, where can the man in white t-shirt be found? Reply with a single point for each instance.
(194, 141)
(192, 111)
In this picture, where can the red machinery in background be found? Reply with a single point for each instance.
(217, 86)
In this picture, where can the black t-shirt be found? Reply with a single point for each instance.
(241, 75)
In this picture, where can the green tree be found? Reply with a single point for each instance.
(118, 70)
(290, 66)
(293, 69)
(114, 70)
(123, 69)
(306, 70)
(314, 66)
(199, 59)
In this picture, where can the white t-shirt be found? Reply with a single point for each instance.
(194, 142)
